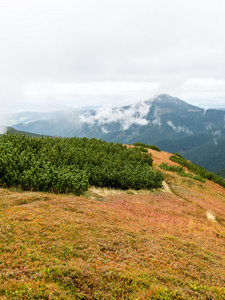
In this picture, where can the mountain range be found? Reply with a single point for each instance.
(165, 121)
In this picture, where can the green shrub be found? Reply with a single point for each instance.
(153, 147)
(70, 165)
(139, 144)
(178, 154)
(198, 170)
(180, 170)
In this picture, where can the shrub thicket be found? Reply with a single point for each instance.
(198, 170)
(180, 170)
(178, 154)
(72, 164)
(143, 145)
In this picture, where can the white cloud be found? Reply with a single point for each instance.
(207, 92)
(135, 114)
(3, 129)
(157, 119)
(179, 128)
(103, 92)
(216, 133)
(205, 84)
(209, 126)
(94, 52)
(104, 130)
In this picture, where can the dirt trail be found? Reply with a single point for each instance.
(166, 187)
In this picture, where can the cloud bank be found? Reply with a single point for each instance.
(67, 52)
(179, 128)
(132, 115)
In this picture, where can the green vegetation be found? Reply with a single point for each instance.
(198, 170)
(180, 171)
(112, 244)
(221, 173)
(147, 146)
(178, 154)
(211, 155)
(72, 164)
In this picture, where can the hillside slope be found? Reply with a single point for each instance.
(110, 244)
(4, 129)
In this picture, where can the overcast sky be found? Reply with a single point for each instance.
(56, 53)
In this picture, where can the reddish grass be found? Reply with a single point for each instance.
(152, 245)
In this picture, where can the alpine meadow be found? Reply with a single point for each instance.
(85, 219)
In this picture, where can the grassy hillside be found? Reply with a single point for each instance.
(166, 243)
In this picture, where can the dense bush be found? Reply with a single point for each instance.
(198, 170)
(153, 147)
(180, 170)
(178, 154)
(139, 144)
(72, 164)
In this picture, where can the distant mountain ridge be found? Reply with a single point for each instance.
(168, 122)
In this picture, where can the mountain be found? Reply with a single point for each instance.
(221, 173)
(4, 129)
(164, 243)
(166, 121)
(211, 154)
(158, 116)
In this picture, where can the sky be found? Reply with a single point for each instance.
(58, 54)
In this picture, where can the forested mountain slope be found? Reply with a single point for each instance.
(211, 155)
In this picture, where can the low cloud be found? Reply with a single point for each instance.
(132, 115)
(116, 93)
(179, 128)
(204, 111)
(205, 83)
(157, 119)
(216, 133)
(3, 129)
(209, 126)
(104, 130)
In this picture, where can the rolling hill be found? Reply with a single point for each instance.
(165, 243)
(4, 129)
